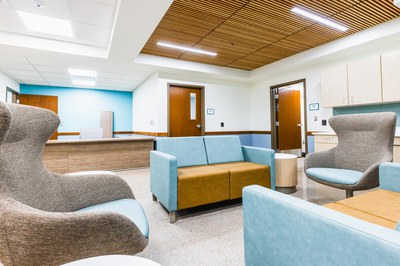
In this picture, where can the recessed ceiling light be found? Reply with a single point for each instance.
(82, 72)
(319, 19)
(89, 83)
(48, 25)
(188, 49)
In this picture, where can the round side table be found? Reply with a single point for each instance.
(286, 172)
(120, 260)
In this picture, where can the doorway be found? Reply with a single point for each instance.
(185, 105)
(289, 118)
(42, 101)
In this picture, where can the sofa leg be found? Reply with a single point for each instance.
(172, 217)
(154, 197)
(349, 193)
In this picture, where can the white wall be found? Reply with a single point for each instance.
(146, 106)
(6, 81)
(231, 102)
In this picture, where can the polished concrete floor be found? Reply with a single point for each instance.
(211, 235)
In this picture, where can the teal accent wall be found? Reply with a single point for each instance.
(80, 108)
(392, 107)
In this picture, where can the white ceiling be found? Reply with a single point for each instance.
(92, 20)
(95, 21)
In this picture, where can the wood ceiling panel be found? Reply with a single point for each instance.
(248, 34)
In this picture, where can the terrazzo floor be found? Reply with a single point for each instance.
(206, 236)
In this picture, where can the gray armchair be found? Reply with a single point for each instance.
(364, 141)
(51, 219)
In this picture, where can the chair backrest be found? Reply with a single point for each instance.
(221, 149)
(24, 130)
(189, 151)
(363, 139)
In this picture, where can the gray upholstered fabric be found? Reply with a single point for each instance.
(364, 141)
(37, 226)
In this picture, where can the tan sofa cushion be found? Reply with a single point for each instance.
(199, 185)
(244, 174)
(379, 206)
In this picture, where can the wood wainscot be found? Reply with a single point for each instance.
(67, 156)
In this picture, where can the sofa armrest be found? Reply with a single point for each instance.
(282, 230)
(261, 156)
(164, 179)
(389, 176)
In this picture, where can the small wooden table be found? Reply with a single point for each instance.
(120, 260)
(286, 172)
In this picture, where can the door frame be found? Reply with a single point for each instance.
(202, 104)
(274, 135)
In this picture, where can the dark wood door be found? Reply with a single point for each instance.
(43, 101)
(185, 114)
(289, 118)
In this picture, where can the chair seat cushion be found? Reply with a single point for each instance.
(243, 174)
(130, 208)
(335, 175)
(199, 185)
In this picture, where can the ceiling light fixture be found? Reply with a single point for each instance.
(48, 25)
(81, 72)
(83, 77)
(188, 49)
(88, 83)
(319, 19)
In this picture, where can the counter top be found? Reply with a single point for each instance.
(75, 141)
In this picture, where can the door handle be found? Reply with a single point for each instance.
(299, 125)
(198, 126)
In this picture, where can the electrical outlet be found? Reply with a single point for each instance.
(222, 124)
(315, 118)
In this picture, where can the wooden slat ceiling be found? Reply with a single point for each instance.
(248, 34)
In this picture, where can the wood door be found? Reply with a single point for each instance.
(42, 101)
(289, 118)
(185, 111)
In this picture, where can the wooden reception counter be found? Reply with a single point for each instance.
(66, 156)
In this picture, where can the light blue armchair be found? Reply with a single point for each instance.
(283, 230)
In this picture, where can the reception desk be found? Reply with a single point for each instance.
(66, 156)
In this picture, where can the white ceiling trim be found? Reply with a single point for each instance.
(24, 41)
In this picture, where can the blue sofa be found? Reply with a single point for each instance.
(283, 230)
(193, 171)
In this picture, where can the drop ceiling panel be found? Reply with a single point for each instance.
(51, 69)
(92, 20)
(36, 82)
(15, 66)
(91, 34)
(250, 34)
(92, 13)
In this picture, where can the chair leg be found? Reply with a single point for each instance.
(349, 193)
(154, 197)
(172, 217)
